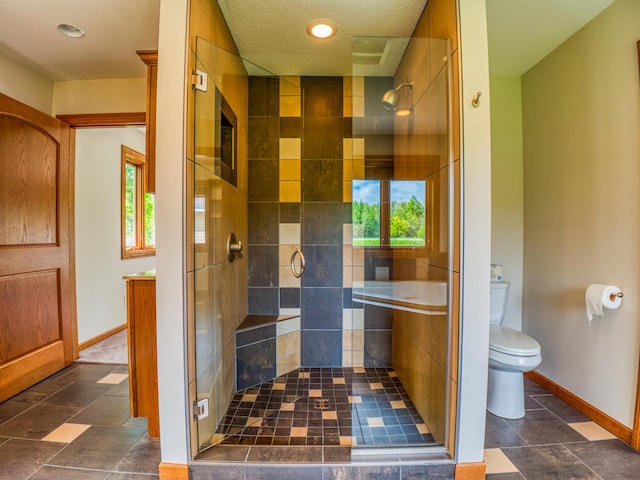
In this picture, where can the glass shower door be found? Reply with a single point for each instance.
(400, 249)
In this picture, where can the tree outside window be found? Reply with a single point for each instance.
(400, 201)
(138, 231)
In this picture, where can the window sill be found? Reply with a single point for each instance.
(147, 252)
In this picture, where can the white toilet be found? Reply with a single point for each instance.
(511, 353)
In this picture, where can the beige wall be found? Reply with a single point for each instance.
(581, 117)
(100, 290)
(25, 85)
(100, 96)
(507, 189)
(79, 96)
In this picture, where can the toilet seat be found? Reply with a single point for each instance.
(508, 341)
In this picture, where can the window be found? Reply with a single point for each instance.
(366, 213)
(388, 213)
(407, 213)
(138, 232)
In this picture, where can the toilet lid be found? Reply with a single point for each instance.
(512, 342)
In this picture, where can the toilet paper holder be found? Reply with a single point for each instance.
(613, 295)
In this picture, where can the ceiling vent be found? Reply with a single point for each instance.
(370, 51)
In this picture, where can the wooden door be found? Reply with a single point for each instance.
(36, 247)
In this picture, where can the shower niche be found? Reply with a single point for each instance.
(227, 144)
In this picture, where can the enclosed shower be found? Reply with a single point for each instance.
(322, 254)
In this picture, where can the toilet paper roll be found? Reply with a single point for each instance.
(599, 296)
(496, 272)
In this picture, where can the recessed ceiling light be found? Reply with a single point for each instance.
(70, 30)
(321, 29)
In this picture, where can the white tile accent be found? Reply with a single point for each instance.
(375, 422)
(66, 433)
(288, 326)
(347, 319)
(347, 234)
(592, 431)
(289, 234)
(114, 378)
(498, 462)
(357, 86)
(358, 358)
(290, 148)
(289, 311)
(358, 148)
(286, 279)
(347, 148)
(358, 319)
(357, 110)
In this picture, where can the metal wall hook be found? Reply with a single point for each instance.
(476, 100)
(234, 247)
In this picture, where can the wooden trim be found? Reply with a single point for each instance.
(94, 120)
(173, 471)
(102, 336)
(22, 372)
(635, 433)
(137, 159)
(149, 57)
(72, 242)
(605, 421)
(470, 471)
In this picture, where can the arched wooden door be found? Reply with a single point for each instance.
(36, 246)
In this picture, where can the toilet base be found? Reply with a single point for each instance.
(505, 394)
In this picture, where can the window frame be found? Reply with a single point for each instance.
(138, 160)
(385, 220)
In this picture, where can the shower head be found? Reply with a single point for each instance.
(391, 97)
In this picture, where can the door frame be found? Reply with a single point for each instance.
(89, 120)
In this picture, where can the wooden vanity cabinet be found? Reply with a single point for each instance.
(143, 358)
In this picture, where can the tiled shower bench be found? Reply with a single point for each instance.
(267, 346)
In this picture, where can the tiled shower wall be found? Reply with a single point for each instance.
(306, 142)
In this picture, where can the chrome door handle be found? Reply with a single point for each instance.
(297, 273)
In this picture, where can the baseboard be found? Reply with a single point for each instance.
(173, 471)
(470, 471)
(605, 421)
(102, 336)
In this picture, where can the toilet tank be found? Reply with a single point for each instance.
(498, 302)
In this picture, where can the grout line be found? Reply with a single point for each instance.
(580, 460)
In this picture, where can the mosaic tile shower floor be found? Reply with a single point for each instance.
(325, 406)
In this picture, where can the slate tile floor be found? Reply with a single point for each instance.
(76, 425)
(554, 441)
(325, 406)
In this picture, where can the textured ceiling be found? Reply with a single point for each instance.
(523, 32)
(115, 29)
(271, 33)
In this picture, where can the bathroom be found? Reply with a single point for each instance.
(476, 213)
(313, 143)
